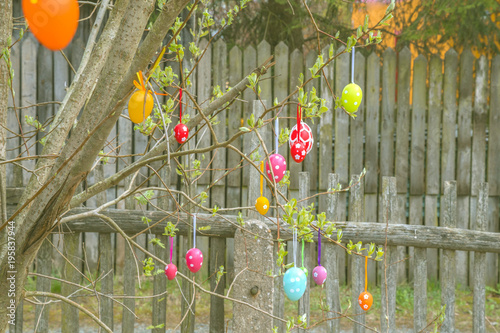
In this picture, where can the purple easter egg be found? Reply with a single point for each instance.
(319, 275)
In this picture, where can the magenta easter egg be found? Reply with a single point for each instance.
(181, 133)
(171, 271)
(194, 259)
(306, 136)
(319, 275)
(278, 165)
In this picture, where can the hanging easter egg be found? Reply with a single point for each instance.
(319, 275)
(365, 300)
(306, 136)
(53, 22)
(278, 165)
(351, 97)
(298, 151)
(137, 111)
(294, 283)
(181, 133)
(171, 271)
(194, 259)
(262, 205)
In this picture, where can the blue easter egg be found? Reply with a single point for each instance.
(294, 283)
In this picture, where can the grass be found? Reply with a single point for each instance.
(404, 306)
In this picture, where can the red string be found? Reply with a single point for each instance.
(180, 105)
(299, 116)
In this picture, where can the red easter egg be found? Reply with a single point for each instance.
(306, 136)
(365, 300)
(181, 133)
(53, 22)
(298, 151)
(171, 271)
(194, 259)
(278, 164)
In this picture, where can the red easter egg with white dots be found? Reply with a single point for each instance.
(171, 271)
(194, 259)
(298, 151)
(181, 133)
(306, 136)
(319, 275)
(278, 164)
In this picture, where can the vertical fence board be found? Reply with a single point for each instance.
(447, 272)
(331, 261)
(478, 314)
(249, 64)
(45, 90)
(281, 80)
(356, 206)
(28, 97)
(325, 135)
(419, 289)
(43, 266)
(305, 302)
(105, 260)
(341, 154)
(311, 164)
(389, 273)
(356, 125)
(372, 93)
(417, 154)
(69, 314)
(128, 317)
(494, 122)
(296, 68)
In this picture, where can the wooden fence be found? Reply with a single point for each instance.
(446, 132)
(253, 267)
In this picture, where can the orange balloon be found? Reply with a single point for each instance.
(53, 22)
(365, 300)
(136, 110)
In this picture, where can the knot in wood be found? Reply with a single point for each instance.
(254, 291)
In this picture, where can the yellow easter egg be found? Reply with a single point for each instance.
(351, 97)
(136, 110)
(262, 205)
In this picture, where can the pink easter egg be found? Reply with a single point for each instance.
(278, 164)
(319, 275)
(194, 259)
(171, 271)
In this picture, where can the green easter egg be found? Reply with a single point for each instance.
(351, 97)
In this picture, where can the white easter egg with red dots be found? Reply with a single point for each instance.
(278, 164)
(306, 136)
(194, 259)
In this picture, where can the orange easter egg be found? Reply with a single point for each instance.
(53, 22)
(262, 205)
(136, 110)
(365, 300)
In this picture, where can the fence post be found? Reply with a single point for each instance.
(389, 272)
(478, 313)
(253, 287)
(331, 261)
(357, 214)
(447, 269)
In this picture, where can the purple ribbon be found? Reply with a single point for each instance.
(319, 247)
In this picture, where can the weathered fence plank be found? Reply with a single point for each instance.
(356, 213)
(72, 265)
(331, 261)
(419, 289)
(417, 153)
(325, 135)
(217, 256)
(43, 266)
(478, 313)
(493, 135)
(447, 271)
(389, 273)
(305, 302)
(357, 125)
(311, 164)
